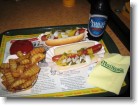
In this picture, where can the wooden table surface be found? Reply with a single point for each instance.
(40, 13)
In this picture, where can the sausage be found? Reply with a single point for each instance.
(94, 48)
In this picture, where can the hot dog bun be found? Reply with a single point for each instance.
(77, 66)
(75, 46)
(62, 41)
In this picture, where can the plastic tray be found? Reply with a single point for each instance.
(112, 48)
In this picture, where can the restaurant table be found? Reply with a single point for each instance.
(52, 13)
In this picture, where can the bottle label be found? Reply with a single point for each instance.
(97, 24)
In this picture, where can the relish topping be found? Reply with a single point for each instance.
(59, 34)
(75, 57)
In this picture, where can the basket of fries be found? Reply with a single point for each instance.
(21, 72)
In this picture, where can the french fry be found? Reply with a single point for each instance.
(28, 87)
(9, 78)
(19, 54)
(20, 69)
(13, 64)
(23, 57)
(34, 77)
(3, 71)
(37, 50)
(4, 83)
(37, 57)
(26, 66)
(29, 82)
(4, 65)
(3, 78)
(15, 74)
(31, 71)
(17, 83)
(25, 61)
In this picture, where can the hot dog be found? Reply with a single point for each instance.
(63, 37)
(77, 57)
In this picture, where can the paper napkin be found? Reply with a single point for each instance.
(110, 73)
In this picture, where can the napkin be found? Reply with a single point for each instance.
(110, 73)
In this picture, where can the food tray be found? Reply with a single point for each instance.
(111, 47)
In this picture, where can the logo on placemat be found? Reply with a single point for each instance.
(111, 67)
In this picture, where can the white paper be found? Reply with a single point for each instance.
(53, 81)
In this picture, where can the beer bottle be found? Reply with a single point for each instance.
(98, 19)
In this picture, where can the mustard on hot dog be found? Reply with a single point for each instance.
(63, 37)
(74, 57)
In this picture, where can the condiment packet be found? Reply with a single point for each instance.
(110, 73)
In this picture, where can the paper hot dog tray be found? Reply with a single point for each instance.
(74, 46)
